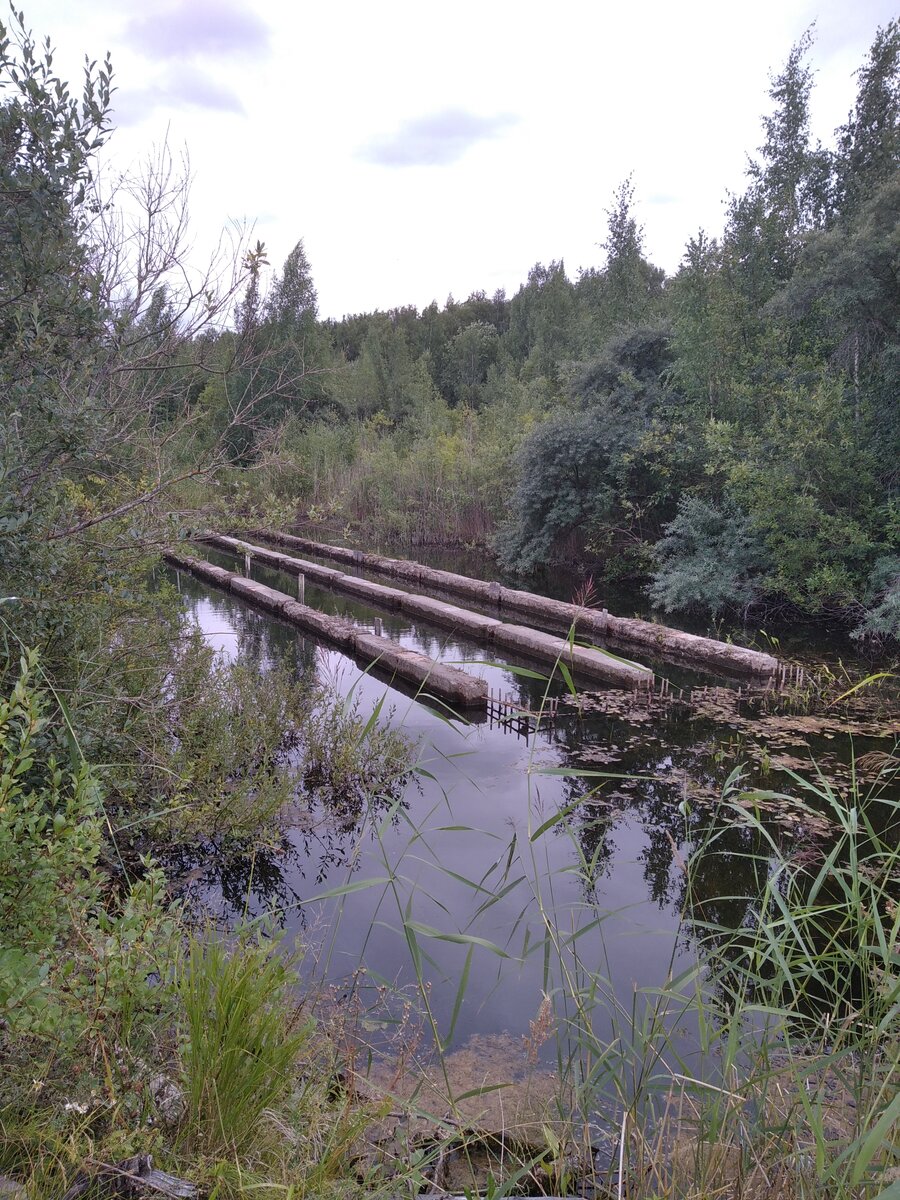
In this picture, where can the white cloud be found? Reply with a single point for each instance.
(206, 28)
(296, 103)
(172, 92)
(439, 139)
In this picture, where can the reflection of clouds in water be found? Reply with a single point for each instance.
(217, 630)
(473, 808)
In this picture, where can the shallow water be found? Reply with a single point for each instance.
(601, 891)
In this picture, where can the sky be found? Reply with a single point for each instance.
(424, 149)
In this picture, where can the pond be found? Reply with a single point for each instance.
(529, 857)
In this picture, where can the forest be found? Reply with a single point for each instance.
(722, 442)
(725, 438)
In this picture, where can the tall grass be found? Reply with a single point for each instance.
(243, 1039)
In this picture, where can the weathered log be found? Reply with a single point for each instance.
(450, 684)
(662, 640)
(545, 648)
(130, 1177)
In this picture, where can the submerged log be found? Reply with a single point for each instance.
(450, 684)
(659, 639)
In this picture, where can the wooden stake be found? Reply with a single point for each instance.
(301, 588)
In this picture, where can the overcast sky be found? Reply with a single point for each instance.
(422, 149)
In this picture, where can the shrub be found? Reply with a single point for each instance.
(81, 963)
(709, 559)
(882, 618)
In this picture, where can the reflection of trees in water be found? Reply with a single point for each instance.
(261, 639)
(237, 877)
(234, 877)
(340, 818)
(592, 823)
(337, 797)
(726, 861)
(268, 643)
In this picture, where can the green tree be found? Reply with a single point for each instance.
(541, 332)
(51, 313)
(700, 328)
(790, 182)
(786, 199)
(290, 306)
(472, 352)
(605, 476)
(709, 559)
(868, 148)
(628, 289)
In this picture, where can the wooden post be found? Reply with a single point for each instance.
(247, 563)
(301, 588)
(379, 626)
(178, 581)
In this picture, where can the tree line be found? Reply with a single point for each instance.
(727, 436)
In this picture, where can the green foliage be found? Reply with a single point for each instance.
(631, 285)
(50, 826)
(244, 748)
(562, 467)
(868, 146)
(232, 737)
(243, 1036)
(441, 477)
(882, 617)
(472, 352)
(805, 481)
(844, 296)
(708, 560)
(349, 760)
(789, 189)
(49, 138)
(291, 303)
(73, 957)
(604, 473)
(541, 328)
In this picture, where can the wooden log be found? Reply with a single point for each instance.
(131, 1177)
(546, 648)
(662, 640)
(583, 660)
(450, 684)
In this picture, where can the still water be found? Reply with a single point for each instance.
(517, 861)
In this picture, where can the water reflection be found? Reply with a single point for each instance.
(237, 879)
(458, 850)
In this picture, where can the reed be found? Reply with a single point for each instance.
(243, 1038)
